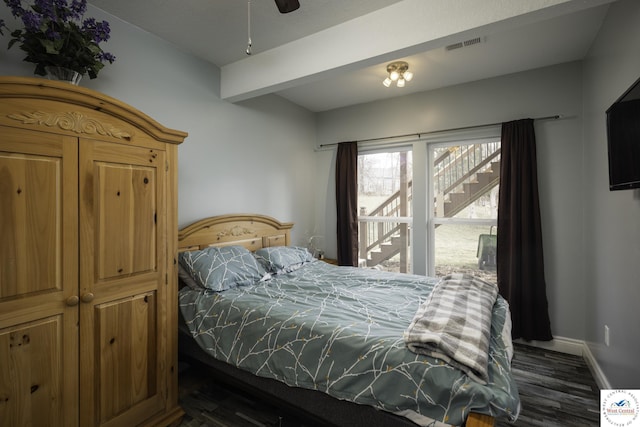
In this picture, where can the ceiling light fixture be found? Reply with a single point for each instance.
(399, 73)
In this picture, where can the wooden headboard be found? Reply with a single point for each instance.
(252, 231)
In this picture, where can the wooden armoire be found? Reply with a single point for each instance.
(88, 236)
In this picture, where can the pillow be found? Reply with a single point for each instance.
(223, 268)
(283, 259)
(185, 278)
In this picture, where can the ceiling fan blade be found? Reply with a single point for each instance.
(286, 6)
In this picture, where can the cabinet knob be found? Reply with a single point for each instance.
(88, 297)
(73, 300)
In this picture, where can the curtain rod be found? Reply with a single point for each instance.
(419, 134)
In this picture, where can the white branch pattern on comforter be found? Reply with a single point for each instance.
(339, 330)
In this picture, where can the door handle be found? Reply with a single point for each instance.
(73, 300)
(88, 297)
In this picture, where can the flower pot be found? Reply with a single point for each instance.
(63, 74)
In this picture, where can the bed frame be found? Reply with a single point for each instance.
(254, 232)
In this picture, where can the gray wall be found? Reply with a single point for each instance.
(251, 157)
(612, 219)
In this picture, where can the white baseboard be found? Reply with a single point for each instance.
(598, 375)
(561, 344)
(576, 348)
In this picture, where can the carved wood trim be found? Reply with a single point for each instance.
(71, 121)
(236, 231)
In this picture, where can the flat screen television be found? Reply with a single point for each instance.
(623, 140)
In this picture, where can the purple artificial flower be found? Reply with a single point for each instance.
(61, 11)
(106, 56)
(98, 31)
(88, 24)
(32, 21)
(55, 34)
(78, 8)
(45, 8)
(16, 7)
(102, 32)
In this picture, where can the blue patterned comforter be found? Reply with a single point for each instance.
(339, 330)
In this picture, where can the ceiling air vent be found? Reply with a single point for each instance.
(472, 41)
(455, 46)
(465, 43)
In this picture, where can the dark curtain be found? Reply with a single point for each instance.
(347, 202)
(519, 253)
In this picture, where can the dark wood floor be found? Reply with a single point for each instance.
(207, 404)
(556, 389)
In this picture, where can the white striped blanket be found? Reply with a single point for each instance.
(454, 324)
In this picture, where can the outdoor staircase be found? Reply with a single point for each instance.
(461, 177)
(480, 184)
(385, 251)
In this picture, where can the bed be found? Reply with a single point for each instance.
(326, 341)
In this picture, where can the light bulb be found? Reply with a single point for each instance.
(387, 82)
(408, 75)
(400, 82)
(394, 75)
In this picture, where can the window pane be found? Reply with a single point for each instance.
(466, 248)
(466, 182)
(384, 194)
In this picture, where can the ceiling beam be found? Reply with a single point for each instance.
(402, 29)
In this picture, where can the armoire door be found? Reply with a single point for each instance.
(122, 283)
(38, 279)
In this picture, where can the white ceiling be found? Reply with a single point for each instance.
(333, 53)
